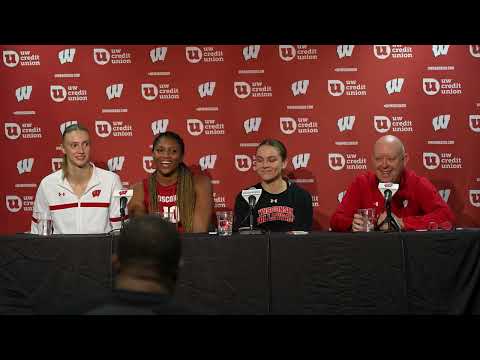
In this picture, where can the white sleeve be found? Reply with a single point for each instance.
(40, 205)
(114, 210)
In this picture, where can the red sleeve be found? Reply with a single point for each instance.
(434, 208)
(342, 218)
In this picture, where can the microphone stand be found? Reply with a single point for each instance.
(122, 212)
(392, 224)
(250, 230)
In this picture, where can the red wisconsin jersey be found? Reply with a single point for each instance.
(166, 200)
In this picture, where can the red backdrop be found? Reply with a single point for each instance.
(327, 103)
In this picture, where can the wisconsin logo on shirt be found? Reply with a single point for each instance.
(96, 193)
(273, 201)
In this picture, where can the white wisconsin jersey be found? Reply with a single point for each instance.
(95, 212)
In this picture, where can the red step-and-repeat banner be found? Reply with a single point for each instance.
(327, 103)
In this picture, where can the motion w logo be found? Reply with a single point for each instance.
(440, 122)
(66, 124)
(439, 50)
(206, 89)
(159, 126)
(66, 55)
(346, 123)
(300, 87)
(300, 160)
(251, 52)
(25, 165)
(252, 124)
(444, 194)
(207, 161)
(394, 85)
(344, 50)
(116, 163)
(158, 54)
(114, 91)
(23, 93)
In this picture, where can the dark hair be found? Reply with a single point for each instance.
(149, 241)
(170, 135)
(276, 144)
(185, 186)
(69, 129)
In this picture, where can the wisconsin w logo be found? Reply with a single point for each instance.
(66, 55)
(287, 52)
(431, 161)
(25, 165)
(193, 54)
(103, 128)
(251, 52)
(241, 89)
(66, 124)
(56, 164)
(116, 163)
(148, 164)
(440, 122)
(149, 91)
(336, 161)
(158, 54)
(300, 160)
(101, 56)
(336, 87)
(346, 123)
(194, 127)
(474, 122)
(381, 123)
(10, 58)
(381, 51)
(14, 203)
(23, 93)
(439, 50)
(344, 50)
(288, 125)
(206, 89)
(243, 162)
(159, 126)
(475, 51)
(207, 161)
(252, 124)
(431, 86)
(444, 194)
(58, 93)
(300, 87)
(114, 91)
(475, 197)
(394, 85)
(12, 131)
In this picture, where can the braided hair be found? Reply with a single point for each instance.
(185, 186)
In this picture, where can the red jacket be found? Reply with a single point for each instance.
(416, 202)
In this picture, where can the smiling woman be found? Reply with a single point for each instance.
(172, 189)
(282, 205)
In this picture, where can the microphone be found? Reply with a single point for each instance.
(388, 190)
(251, 196)
(124, 195)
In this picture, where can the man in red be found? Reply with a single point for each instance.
(416, 205)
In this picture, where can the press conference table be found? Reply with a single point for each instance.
(318, 273)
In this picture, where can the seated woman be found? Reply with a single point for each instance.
(173, 188)
(282, 206)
